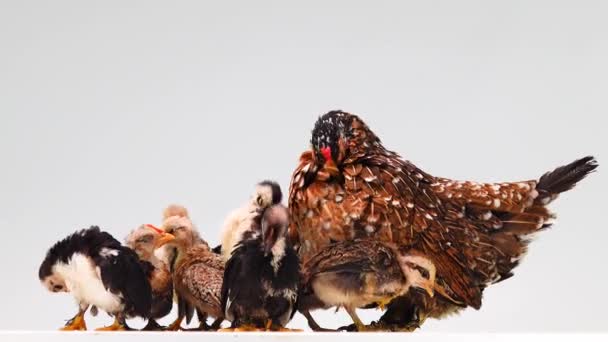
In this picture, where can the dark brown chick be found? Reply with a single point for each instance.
(361, 274)
(144, 241)
(198, 272)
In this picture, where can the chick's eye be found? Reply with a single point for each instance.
(57, 288)
(145, 239)
(260, 200)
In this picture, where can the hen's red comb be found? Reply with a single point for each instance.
(326, 152)
(154, 228)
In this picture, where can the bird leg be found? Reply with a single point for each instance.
(119, 324)
(176, 325)
(153, 326)
(217, 324)
(77, 322)
(202, 323)
(401, 316)
(358, 324)
(313, 324)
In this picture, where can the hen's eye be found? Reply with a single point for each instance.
(260, 200)
(57, 288)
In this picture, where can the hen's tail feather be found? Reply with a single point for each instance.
(564, 178)
(511, 240)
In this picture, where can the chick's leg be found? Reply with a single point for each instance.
(313, 324)
(402, 315)
(358, 324)
(153, 326)
(176, 325)
(77, 323)
(119, 324)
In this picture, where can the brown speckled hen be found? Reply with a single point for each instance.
(198, 271)
(360, 274)
(349, 186)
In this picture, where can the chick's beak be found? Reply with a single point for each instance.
(429, 289)
(164, 239)
(269, 240)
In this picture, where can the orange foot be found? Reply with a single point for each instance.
(116, 326)
(75, 324)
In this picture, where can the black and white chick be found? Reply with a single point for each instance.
(237, 226)
(260, 286)
(97, 270)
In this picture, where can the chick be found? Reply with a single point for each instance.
(237, 226)
(169, 255)
(97, 270)
(361, 273)
(198, 272)
(144, 241)
(261, 279)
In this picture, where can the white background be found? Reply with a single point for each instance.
(111, 110)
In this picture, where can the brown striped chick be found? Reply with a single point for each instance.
(237, 226)
(143, 241)
(198, 272)
(169, 255)
(361, 274)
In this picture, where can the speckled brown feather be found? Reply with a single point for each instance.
(474, 233)
(198, 278)
(370, 255)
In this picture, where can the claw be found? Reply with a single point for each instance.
(153, 326)
(118, 325)
(75, 324)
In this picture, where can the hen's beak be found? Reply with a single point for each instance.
(331, 168)
(164, 239)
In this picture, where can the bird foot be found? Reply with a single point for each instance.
(381, 327)
(116, 326)
(153, 326)
(175, 326)
(201, 327)
(243, 328)
(283, 329)
(353, 328)
(112, 328)
(393, 327)
(75, 324)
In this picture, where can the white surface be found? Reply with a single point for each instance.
(110, 110)
(294, 337)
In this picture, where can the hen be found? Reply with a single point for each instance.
(349, 186)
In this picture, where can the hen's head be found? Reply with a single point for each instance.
(336, 135)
